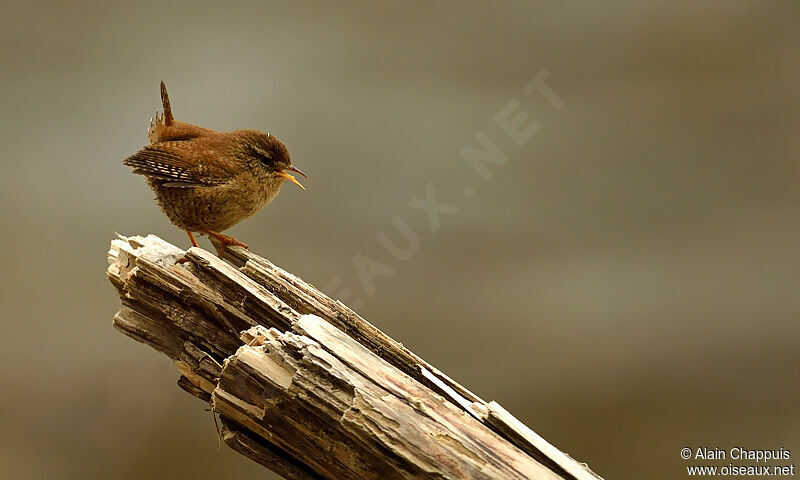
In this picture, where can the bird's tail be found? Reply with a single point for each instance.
(168, 118)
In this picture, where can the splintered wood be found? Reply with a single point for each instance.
(305, 386)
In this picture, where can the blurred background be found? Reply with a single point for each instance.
(626, 284)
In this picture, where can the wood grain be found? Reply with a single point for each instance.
(304, 385)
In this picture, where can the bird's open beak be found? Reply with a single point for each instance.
(282, 173)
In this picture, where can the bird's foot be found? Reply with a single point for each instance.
(224, 241)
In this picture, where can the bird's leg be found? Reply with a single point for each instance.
(194, 244)
(191, 237)
(224, 241)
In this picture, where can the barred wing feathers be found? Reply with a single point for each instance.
(178, 165)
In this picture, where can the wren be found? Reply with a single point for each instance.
(207, 181)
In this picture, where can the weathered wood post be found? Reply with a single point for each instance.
(305, 386)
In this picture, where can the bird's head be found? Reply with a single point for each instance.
(272, 155)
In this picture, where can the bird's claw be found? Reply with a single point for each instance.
(228, 242)
(223, 241)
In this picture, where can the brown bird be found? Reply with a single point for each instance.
(207, 181)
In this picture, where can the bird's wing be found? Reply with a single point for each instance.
(181, 164)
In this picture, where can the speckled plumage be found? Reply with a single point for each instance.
(207, 181)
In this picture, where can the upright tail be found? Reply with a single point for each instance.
(168, 118)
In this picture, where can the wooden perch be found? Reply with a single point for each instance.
(305, 386)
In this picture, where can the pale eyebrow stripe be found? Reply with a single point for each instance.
(262, 152)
